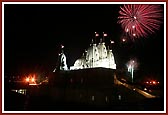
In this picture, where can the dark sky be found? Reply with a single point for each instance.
(34, 33)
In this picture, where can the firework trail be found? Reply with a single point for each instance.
(140, 20)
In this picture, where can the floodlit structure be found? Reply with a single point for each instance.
(90, 81)
(63, 65)
(96, 56)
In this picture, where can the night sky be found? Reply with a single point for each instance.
(34, 33)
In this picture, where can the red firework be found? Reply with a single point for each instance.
(140, 20)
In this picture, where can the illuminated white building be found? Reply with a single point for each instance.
(96, 56)
(63, 65)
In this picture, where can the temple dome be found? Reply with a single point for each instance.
(96, 56)
(80, 62)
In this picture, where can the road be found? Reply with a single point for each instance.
(131, 87)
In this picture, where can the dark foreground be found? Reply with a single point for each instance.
(37, 100)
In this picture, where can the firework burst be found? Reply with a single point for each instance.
(140, 20)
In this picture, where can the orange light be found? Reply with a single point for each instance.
(27, 79)
(154, 82)
(32, 79)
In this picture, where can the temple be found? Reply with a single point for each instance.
(90, 81)
(95, 56)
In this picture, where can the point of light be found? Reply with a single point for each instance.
(32, 79)
(154, 82)
(133, 26)
(62, 46)
(105, 34)
(123, 40)
(96, 34)
(112, 42)
(27, 79)
(145, 89)
(134, 34)
(135, 17)
(127, 30)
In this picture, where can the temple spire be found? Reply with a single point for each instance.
(96, 35)
(108, 48)
(92, 42)
(62, 48)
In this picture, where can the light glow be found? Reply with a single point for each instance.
(127, 30)
(27, 79)
(33, 84)
(154, 82)
(123, 39)
(32, 79)
(134, 34)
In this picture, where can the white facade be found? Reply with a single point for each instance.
(96, 56)
(63, 65)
